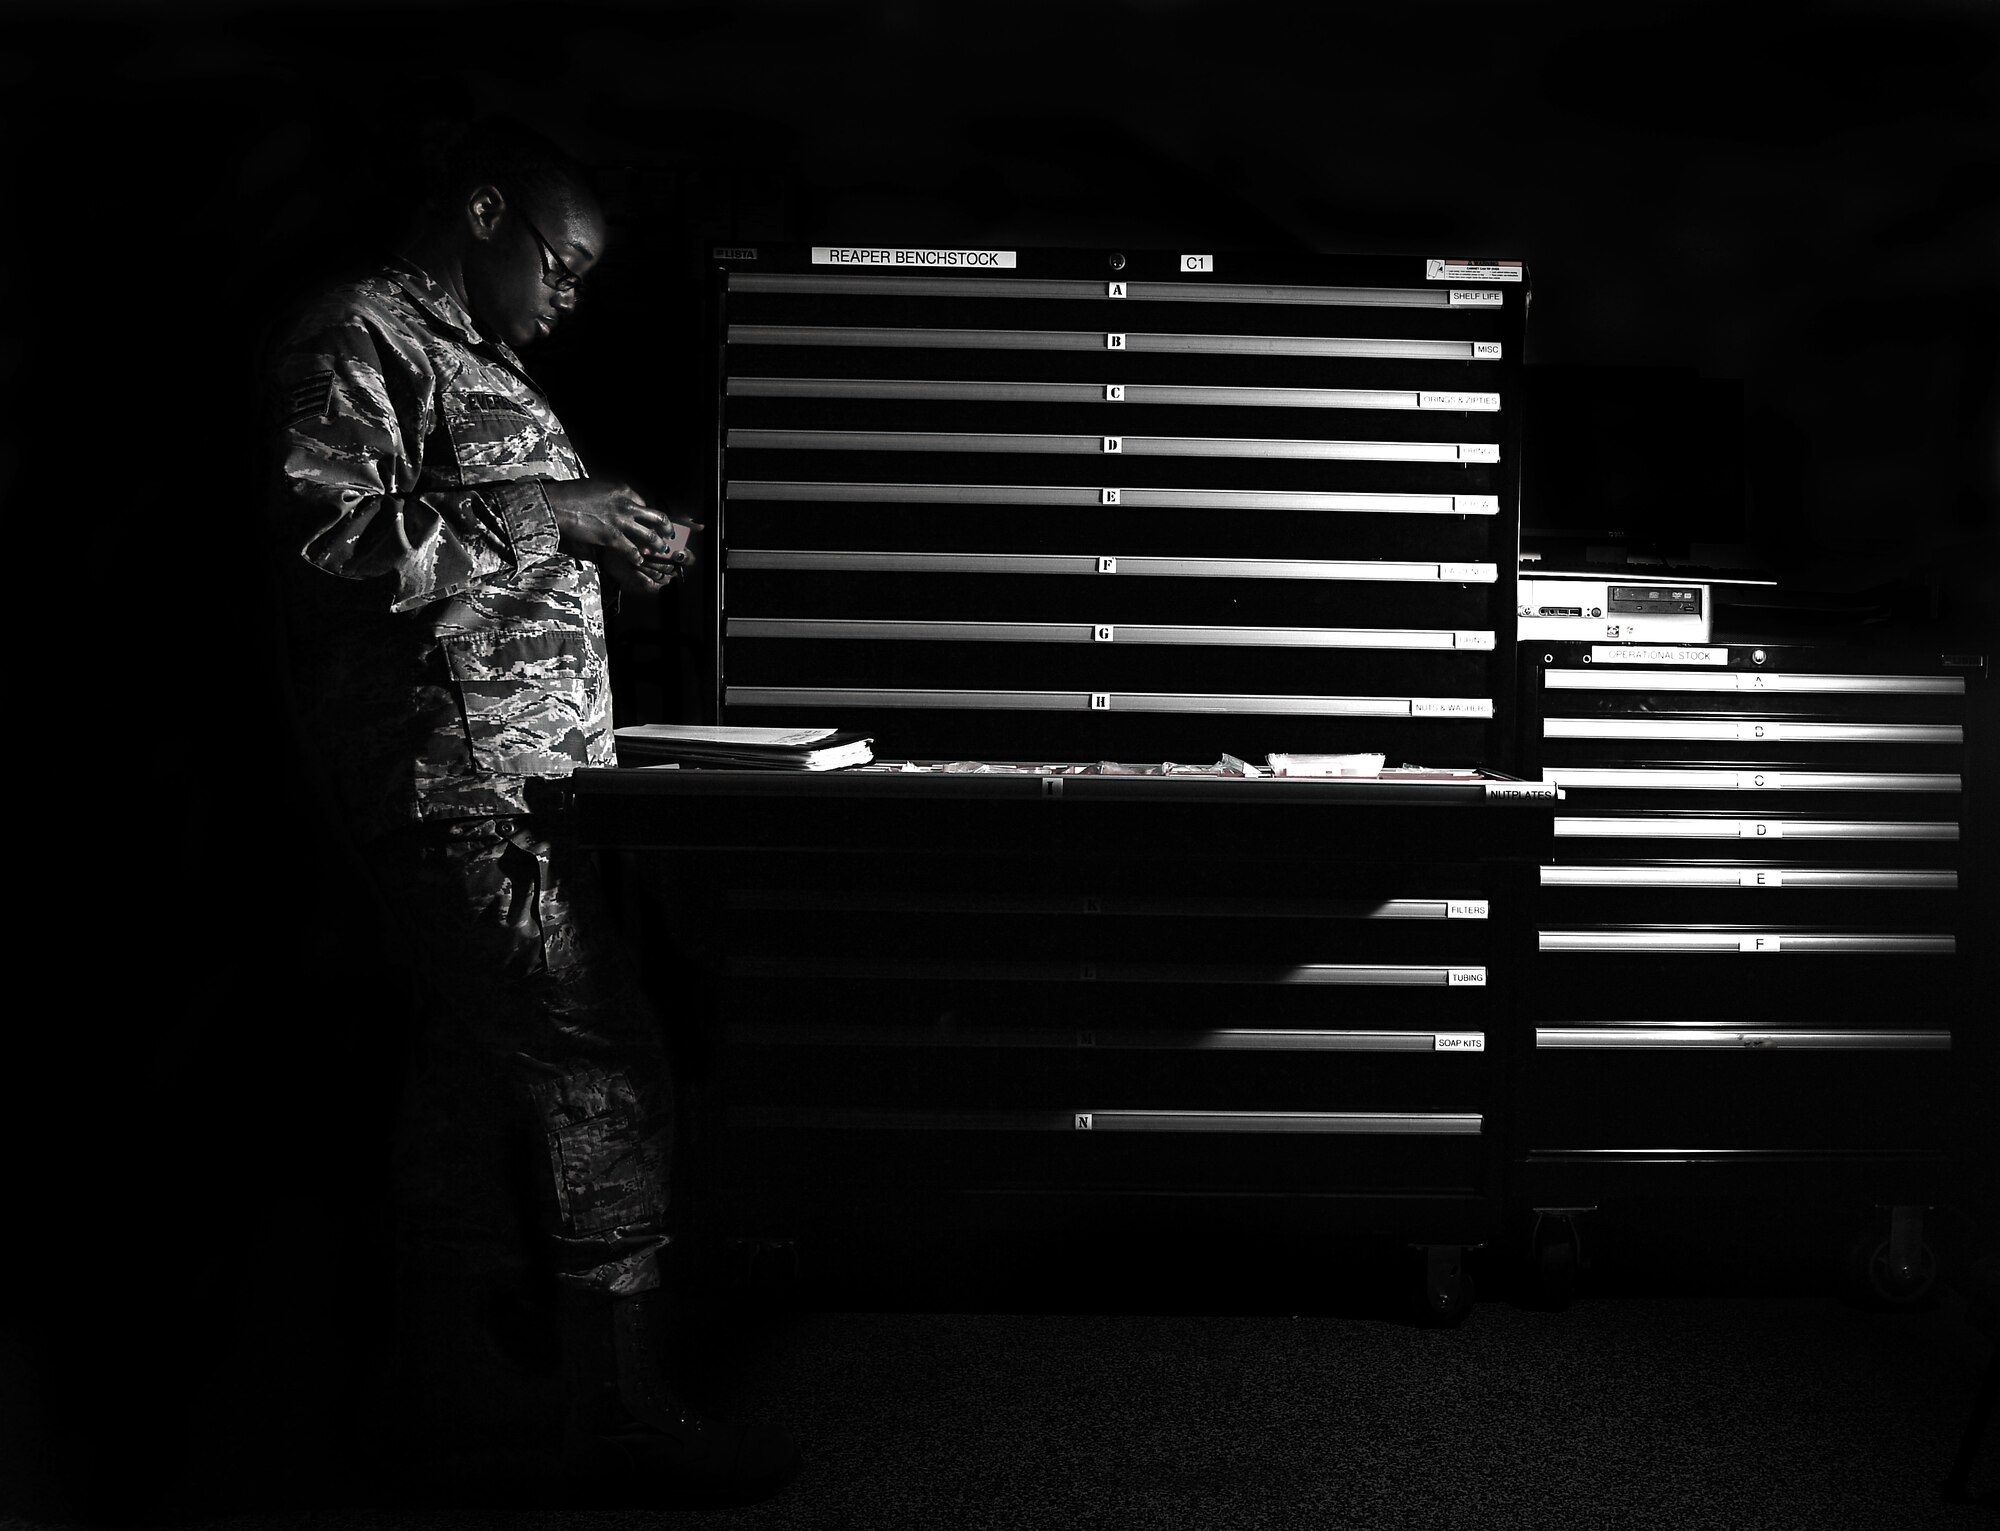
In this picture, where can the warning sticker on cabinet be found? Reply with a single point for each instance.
(1465, 270)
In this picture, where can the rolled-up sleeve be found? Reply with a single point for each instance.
(353, 407)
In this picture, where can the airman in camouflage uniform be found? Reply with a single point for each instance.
(443, 547)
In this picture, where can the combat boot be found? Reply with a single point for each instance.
(631, 1441)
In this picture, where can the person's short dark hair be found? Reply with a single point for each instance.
(500, 151)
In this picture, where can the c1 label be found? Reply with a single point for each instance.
(1197, 263)
(1466, 908)
(1458, 1042)
(1465, 978)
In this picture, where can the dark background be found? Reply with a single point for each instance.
(1800, 200)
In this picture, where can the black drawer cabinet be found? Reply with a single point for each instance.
(1748, 970)
(969, 1002)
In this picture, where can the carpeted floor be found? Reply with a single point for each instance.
(1622, 1411)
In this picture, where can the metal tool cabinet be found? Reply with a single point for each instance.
(1082, 506)
(976, 1005)
(1747, 977)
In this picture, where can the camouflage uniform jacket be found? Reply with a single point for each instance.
(445, 652)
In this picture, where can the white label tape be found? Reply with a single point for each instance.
(1761, 829)
(1760, 944)
(1766, 878)
(1465, 908)
(1458, 1042)
(1466, 978)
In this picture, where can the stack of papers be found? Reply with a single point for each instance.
(1325, 765)
(768, 749)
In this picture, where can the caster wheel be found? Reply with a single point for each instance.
(1874, 1279)
(1552, 1277)
(1445, 1292)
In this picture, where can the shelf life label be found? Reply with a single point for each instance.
(1477, 297)
(1760, 944)
(1465, 978)
(1458, 1042)
(1465, 908)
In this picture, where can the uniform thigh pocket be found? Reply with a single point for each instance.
(524, 697)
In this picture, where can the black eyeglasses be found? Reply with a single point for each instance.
(568, 279)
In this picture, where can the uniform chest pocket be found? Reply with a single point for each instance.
(490, 430)
(524, 698)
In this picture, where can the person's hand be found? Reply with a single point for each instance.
(610, 523)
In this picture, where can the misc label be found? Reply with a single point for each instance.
(867, 255)
(1107, 566)
(1636, 653)
(1460, 269)
(1465, 908)
(1479, 451)
(1763, 878)
(1476, 504)
(1761, 829)
(1465, 640)
(1107, 496)
(1465, 978)
(1486, 350)
(1760, 781)
(1477, 297)
(1468, 573)
(1114, 443)
(1465, 401)
(1522, 789)
(1760, 730)
(1458, 1042)
(1114, 393)
(1760, 944)
(1451, 707)
(1102, 633)
(1115, 290)
(1114, 341)
(1197, 263)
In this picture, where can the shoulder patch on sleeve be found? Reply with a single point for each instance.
(310, 400)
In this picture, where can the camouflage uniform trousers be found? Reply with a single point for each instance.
(538, 1099)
